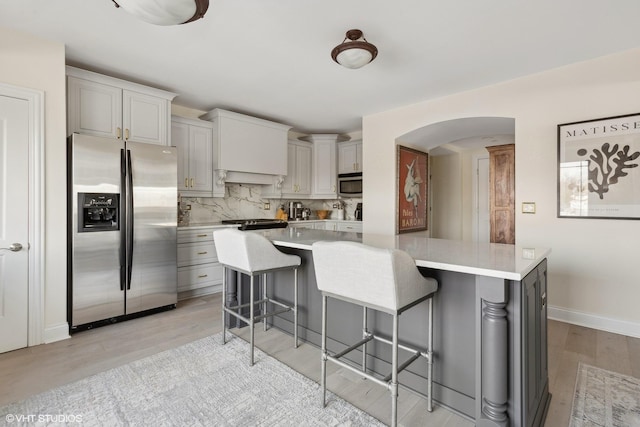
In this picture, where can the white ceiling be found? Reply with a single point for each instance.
(271, 58)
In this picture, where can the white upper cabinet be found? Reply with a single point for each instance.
(297, 183)
(324, 166)
(194, 142)
(113, 108)
(311, 169)
(350, 157)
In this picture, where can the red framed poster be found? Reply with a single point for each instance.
(411, 191)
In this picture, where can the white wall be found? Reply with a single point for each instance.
(446, 188)
(30, 62)
(592, 276)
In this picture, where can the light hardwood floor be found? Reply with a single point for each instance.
(32, 370)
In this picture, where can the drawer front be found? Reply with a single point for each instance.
(195, 277)
(356, 228)
(196, 253)
(191, 236)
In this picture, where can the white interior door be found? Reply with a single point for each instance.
(14, 220)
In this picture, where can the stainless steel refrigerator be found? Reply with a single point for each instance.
(122, 200)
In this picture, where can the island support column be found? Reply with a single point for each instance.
(492, 352)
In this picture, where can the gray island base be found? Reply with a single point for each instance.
(490, 322)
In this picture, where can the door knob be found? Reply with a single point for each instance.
(14, 247)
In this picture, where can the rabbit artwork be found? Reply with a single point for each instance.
(412, 185)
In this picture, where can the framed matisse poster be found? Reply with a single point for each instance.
(411, 190)
(598, 168)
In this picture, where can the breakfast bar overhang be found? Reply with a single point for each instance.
(490, 322)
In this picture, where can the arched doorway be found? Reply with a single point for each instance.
(459, 172)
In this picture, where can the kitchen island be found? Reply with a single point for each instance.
(490, 322)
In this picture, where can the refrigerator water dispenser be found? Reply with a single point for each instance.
(98, 212)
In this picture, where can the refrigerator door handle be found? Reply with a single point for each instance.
(123, 223)
(129, 219)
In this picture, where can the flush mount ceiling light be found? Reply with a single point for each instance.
(165, 12)
(354, 51)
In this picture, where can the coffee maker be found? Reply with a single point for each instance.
(295, 211)
(358, 213)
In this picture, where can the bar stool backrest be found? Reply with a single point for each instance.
(250, 252)
(382, 278)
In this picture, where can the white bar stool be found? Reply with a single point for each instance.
(385, 280)
(252, 254)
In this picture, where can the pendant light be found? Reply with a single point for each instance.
(354, 51)
(165, 12)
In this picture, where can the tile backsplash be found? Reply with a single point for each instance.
(245, 201)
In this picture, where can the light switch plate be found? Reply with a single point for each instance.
(529, 207)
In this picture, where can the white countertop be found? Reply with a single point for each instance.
(218, 224)
(199, 225)
(483, 259)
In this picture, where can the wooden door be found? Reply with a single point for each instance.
(502, 193)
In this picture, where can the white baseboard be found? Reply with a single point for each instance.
(57, 332)
(593, 321)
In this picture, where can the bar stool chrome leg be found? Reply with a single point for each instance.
(264, 304)
(224, 305)
(323, 376)
(393, 386)
(430, 359)
(365, 332)
(251, 318)
(295, 308)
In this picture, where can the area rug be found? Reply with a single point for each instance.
(605, 398)
(203, 383)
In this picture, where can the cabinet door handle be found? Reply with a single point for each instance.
(543, 299)
(126, 134)
(192, 182)
(334, 188)
(202, 235)
(186, 182)
(202, 276)
(202, 253)
(118, 133)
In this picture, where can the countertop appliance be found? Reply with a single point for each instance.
(295, 211)
(256, 224)
(358, 212)
(350, 184)
(121, 230)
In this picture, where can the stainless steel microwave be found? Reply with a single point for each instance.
(350, 184)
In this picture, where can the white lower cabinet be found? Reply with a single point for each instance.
(199, 272)
(302, 224)
(353, 226)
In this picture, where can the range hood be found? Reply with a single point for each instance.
(246, 149)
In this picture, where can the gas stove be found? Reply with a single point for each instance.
(257, 224)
